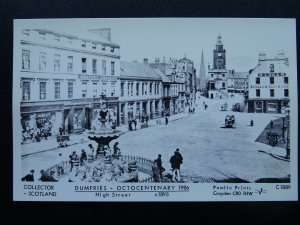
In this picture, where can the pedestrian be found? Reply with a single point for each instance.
(60, 167)
(176, 160)
(205, 106)
(147, 118)
(29, 177)
(91, 156)
(51, 177)
(166, 120)
(134, 123)
(155, 172)
(129, 125)
(73, 160)
(117, 150)
(61, 130)
(83, 157)
(271, 124)
(160, 167)
(44, 177)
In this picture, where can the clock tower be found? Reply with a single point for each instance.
(219, 55)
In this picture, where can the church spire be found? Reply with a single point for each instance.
(202, 74)
(219, 40)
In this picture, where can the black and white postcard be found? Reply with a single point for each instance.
(157, 109)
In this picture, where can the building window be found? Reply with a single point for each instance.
(42, 63)
(103, 67)
(271, 92)
(25, 32)
(122, 89)
(83, 61)
(257, 92)
(286, 80)
(26, 91)
(94, 90)
(150, 91)
(57, 90)
(143, 88)
(128, 89)
(84, 89)
(70, 89)
(211, 75)
(94, 45)
(56, 62)
(271, 80)
(70, 64)
(286, 92)
(223, 84)
(42, 35)
(104, 88)
(137, 89)
(146, 87)
(26, 59)
(103, 47)
(83, 44)
(94, 66)
(42, 90)
(257, 80)
(113, 89)
(131, 89)
(223, 75)
(271, 68)
(112, 66)
(112, 49)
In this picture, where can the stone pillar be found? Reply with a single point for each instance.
(153, 109)
(134, 110)
(125, 113)
(148, 108)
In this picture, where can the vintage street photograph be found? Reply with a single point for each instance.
(157, 100)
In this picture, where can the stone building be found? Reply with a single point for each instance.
(140, 92)
(217, 75)
(62, 77)
(269, 85)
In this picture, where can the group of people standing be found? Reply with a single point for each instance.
(157, 169)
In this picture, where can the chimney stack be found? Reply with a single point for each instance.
(103, 33)
(262, 56)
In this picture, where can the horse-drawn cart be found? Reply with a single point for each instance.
(230, 121)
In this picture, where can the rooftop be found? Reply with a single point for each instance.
(141, 70)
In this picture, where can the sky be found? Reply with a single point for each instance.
(153, 38)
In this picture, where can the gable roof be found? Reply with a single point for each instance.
(139, 70)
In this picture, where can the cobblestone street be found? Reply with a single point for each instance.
(211, 153)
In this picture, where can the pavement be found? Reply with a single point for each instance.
(52, 144)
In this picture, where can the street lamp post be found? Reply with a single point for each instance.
(288, 134)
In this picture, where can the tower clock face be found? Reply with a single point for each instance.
(219, 54)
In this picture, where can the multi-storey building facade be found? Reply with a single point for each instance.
(217, 75)
(269, 85)
(174, 86)
(237, 82)
(62, 78)
(141, 92)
